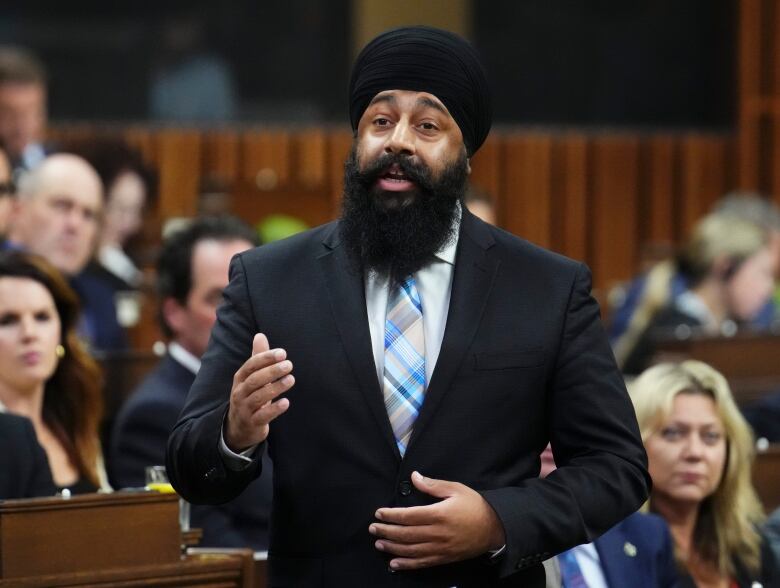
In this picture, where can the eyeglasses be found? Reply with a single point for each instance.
(7, 188)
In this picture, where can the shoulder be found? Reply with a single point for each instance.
(644, 523)
(163, 391)
(15, 427)
(308, 242)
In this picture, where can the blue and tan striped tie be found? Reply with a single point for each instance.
(404, 377)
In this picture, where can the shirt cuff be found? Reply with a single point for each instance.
(234, 461)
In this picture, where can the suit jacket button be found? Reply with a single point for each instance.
(405, 488)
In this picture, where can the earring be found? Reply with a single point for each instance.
(60, 351)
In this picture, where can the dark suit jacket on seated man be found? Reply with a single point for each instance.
(514, 354)
(24, 468)
(192, 272)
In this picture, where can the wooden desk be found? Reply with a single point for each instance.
(749, 361)
(766, 477)
(119, 539)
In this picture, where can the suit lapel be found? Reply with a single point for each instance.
(474, 274)
(347, 297)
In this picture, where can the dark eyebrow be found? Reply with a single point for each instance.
(424, 101)
(382, 98)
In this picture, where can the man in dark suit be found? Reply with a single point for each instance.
(424, 341)
(56, 215)
(24, 469)
(192, 272)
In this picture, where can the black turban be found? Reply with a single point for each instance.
(425, 59)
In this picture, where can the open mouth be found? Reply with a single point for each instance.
(395, 180)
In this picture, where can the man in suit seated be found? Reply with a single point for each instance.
(637, 552)
(24, 469)
(192, 272)
(429, 358)
(56, 215)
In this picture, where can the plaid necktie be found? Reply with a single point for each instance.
(404, 377)
(571, 574)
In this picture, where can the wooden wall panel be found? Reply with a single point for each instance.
(571, 185)
(310, 158)
(221, 155)
(602, 198)
(528, 188)
(266, 159)
(659, 190)
(338, 145)
(486, 170)
(179, 167)
(615, 208)
(703, 177)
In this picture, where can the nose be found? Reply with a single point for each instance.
(28, 328)
(694, 447)
(401, 140)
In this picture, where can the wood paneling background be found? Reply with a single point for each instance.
(606, 198)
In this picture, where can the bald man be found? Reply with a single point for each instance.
(57, 215)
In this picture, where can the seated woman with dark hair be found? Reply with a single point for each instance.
(700, 454)
(24, 471)
(727, 265)
(46, 374)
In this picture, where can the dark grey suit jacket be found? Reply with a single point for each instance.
(524, 360)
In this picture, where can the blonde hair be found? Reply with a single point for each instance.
(727, 520)
(716, 236)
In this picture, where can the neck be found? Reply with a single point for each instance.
(711, 293)
(27, 403)
(681, 518)
(109, 240)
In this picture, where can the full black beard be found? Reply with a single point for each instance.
(398, 241)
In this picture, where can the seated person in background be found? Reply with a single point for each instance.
(22, 107)
(57, 215)
(192, 272)
(748, 207)
(636, 552)
(45, 373)
(24, 469)
(700, 454)
(129, 183)
(728, 269)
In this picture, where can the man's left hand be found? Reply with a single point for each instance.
(461, 526)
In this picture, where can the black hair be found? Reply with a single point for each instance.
(174, 266)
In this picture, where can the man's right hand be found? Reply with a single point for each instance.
(262, 378)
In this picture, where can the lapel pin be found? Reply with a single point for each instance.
(629, 549)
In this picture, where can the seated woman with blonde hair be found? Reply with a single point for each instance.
(46, 374)
(728, 267)
(700, 454)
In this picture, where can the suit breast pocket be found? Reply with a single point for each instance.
(507, 360)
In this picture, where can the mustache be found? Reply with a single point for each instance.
(418, 173)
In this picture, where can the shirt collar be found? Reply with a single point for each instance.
(184, 357)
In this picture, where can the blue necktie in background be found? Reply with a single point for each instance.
(571, 574)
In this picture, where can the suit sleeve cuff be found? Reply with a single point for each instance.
(234, 461)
